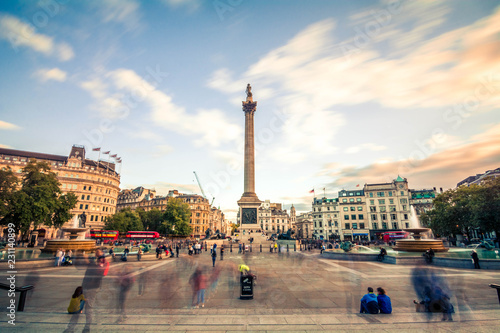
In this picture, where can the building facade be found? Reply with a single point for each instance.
(132, 198)
(354, 221)
(304, 226)
(326, 219)
(480, 177)
(273, 219)
(95, 183)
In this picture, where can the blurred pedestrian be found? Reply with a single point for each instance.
(57, 257)
(77, 302)
(139, 254)
(222, 252)
(214, 257)
(475, 259)
(158, 252)
(177, 249)
(198, 283)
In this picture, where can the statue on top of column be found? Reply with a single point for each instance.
(249, 93)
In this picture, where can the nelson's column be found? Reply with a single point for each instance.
(249, 202)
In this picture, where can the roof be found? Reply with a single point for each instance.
(399, 179)
(29, 154)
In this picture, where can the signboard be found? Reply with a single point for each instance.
(249, 216)
(246, 287)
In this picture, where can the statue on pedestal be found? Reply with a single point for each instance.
(82, 219)
(249, 93)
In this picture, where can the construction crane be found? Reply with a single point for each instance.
(201, 188)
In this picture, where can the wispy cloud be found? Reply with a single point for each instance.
(8, 126)
(365, 146)
(51, 74)
(190, 5)
(125, 12)
(18, 33)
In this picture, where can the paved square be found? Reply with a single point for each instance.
(294, 292)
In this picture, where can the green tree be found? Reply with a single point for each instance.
(124, 221)
(152, 219)
(39, 200)
(486, 206)
(234, 227)
(177, 214)
(8, 184)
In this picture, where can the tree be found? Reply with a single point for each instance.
(152, 219)
(8, 184)
(234, 227)
(124, 221)
(177, 214)
(39, 201)
(466, 208)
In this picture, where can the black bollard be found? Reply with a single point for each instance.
(251, 247)
(271, 248)
(231, 248)
(261, 248)
(294, 247)
(287, 248)
(279, 248)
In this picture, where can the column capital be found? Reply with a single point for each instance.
(249, 107)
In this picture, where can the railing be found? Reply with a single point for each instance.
(23, 290)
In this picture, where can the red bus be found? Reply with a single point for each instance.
(392, 235)
(105, 235)
(142, 234)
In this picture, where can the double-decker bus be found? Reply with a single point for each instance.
(137, 235)
(393, 235)
(105, 235)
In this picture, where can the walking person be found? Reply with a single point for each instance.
(475, 259)
(139, 254)
(222, 252)
(198, 283)
(158, 252)
(177, 249)
(214, 257)
(57, 257)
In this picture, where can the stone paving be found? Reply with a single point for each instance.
(294, 292)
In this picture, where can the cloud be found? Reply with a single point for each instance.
(191, 5)
(5, 146)
(119, 92)
(8, 126)
(443, 168)
(125, 12)
(51, 74)
(162, 150)
(365, 146)
(22, 34)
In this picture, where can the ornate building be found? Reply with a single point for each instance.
(96, 184)
(325, 219)
(132, 198)
(304, 226)
(273, 219)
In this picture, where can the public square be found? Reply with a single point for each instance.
(295, 291)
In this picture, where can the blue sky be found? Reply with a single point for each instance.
(349, 92)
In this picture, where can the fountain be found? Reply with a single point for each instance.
(76, 241)
(417, 244)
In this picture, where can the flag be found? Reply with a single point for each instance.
(107, 152)
(97, 149)
(357, 185)
(311, 191)
(113, 156)
(118, 161)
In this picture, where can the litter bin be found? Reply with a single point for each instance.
(246, 282)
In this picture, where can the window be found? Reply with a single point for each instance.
(321, 224)
(406, 216)
(383, 216)
(355, 226)
(74, 187)
(402, 193)
(336, 224)
(393, 217)
(403, 201)
(353, 216)
(81, 206)
(86, 207)
(85, 188)
(346, 209)
(88, 197)
(404, 207)
(384, 225)
(344, 200)
(351, 199)
(381, 201)
(319, 209)
(314, 224)
(373, 209)
(353, 209)
(374, 217)
(390, 193)
(392, 208)
(407, 225)
(391, 201)
(90, 188)
(329, 223)
(360, 208)
(371, 194)
(382, 208)
(380, 194)
(347, 226)
(361, 216)
(358, 199)
(346, 217)
(372, 202)
(375, 226)
(394, 225)
(361, 226)
(83, 196)
(327, 208)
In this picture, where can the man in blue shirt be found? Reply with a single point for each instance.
(369, 303)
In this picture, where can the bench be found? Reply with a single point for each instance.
(497, 287)
(22, 298)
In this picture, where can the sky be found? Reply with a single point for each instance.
(348, 92)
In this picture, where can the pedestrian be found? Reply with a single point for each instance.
(57, 256)
(158, 252)
(214, 257)
(384, 301)
(222, 252)
(112, 252)
(239, 248)
(382, 254)
(177, 249)
(77, 302)
(275, 247)
(369, 303)
(61, 258)
(69, 254)
(171, 251)
(475, 259)
(139, 254)
(198, 283)
(125, 254)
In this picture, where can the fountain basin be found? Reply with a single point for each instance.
(87, 245)
(420, 245)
